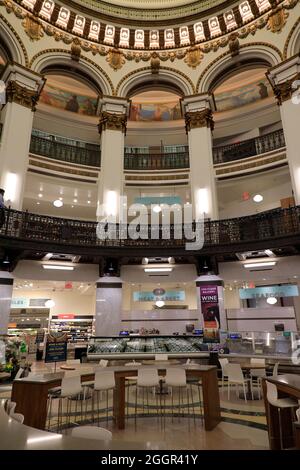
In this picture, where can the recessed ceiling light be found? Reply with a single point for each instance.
(38, 203)
(258, 198)
(89, 202)
(158, 270)
(72, 206)
(260, 265)
(60, 198)
(272, 300)
(157, 209)
(40, 195)
(58, 203)
(74, 200)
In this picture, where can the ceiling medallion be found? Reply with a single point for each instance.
(193, 57)
(33, 27)
(116, 59)
(277, 20)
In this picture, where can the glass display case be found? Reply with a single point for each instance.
(121, 347)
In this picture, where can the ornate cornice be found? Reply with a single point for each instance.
(16, 93)
(196, 119)
(285, 90)
(112, 122)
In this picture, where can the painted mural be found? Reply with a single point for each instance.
(63, 99)
(243, 95)
(149, 112)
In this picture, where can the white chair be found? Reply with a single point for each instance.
(280, 404)
(236, 377)
(223, 363)
(104, 382)
(147, 378)
(161, 357)
(10, 407)
(275, 369)
(103, 363)
(298, 415)
(92, 432)
(129, 381)
(176, 378)
(256, 379)
(19, 373)
(71, 389)
(17, 417)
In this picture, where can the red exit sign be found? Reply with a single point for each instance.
(66, 316)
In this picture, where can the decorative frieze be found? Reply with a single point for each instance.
(285, 90)
(112, 122)
(16, 93)
(196, 119)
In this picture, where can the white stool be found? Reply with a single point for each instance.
(176, 378)
(280, 404)
(92, 432)
(104, 382)
(147, 378)
(223, 363)
(129, 381)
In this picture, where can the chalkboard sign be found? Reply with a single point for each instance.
(56, 348)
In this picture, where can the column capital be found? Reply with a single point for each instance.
(285, 78)
(196, 119)
(23, 86)
(112, 121)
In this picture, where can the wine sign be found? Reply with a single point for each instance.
(210, 311)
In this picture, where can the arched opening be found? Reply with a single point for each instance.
(5, 54)
(69, 91)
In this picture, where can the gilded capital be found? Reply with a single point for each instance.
(285, 90)
(16, 93)
(196, 119)
(112, 121)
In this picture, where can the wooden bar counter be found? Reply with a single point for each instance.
(288, 385)
(31, 393)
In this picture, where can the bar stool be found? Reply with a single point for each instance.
(71, 389)
(147, 378)
(280, 404)
(176, 378)
(223, 363)
(104, 382)
(129, 381)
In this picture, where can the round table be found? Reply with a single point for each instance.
(247, 366)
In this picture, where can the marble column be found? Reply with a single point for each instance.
(197, 110)
(6, 289)
(112, 128)
(108, 318)
(285, 80)
(23, 88)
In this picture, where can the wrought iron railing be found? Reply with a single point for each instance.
(264, 226)
(162, 161)
(84, 154)
(249, 148)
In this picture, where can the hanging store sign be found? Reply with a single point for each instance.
(210, 310)
(19, 302)
(169, 295)
(287, 290)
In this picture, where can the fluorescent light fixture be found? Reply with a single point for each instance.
(262, 264)
(159, 303)
(158, 270)
(258, 198)
(58, 267)
(272, 300)
(58, 203)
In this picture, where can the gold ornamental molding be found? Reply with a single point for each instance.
(250, 165)
(193, 57)
(33, 27)
(277, 20)
(15, 93)
(197, 119)
(112, 122)
(115, 59)
(287, 42)
(284, 91)
(19, 40)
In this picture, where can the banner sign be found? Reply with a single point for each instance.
(150, 296)
(56, 348)
(287, 290)
(210, 311)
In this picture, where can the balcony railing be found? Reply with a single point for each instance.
(163, 161)
(265, 226)
(84, 154)
(249, 148)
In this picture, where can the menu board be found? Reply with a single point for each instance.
(211, 314)
(56, 348)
